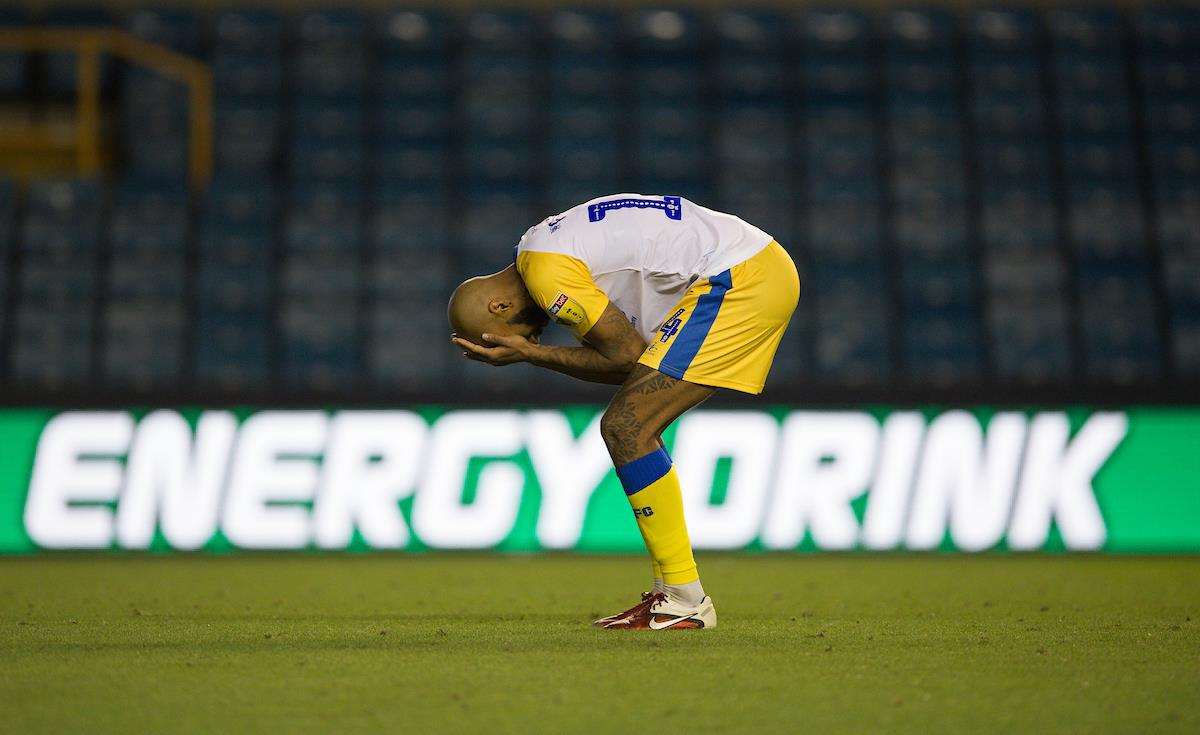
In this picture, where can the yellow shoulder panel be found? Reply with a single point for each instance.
(563, 286)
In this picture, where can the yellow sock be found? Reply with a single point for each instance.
(652, 486)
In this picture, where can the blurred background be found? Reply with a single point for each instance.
(271, 204)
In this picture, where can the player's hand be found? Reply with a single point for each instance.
(504, 349)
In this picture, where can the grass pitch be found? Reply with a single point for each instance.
(501, 645)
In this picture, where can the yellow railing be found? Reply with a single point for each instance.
(90, 45)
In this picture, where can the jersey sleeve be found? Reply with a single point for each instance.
(563, 286)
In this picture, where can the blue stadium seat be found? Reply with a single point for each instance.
(1164, 29)
(920, 32)
(946, 288)
(505, 31)
(578, 31)
(423, 276)
(413, 121)
(407, 346)
(490, 226)
(330, 55)
(409, 33)
(1084, 30)
(654, 32)
(834, 33)
(62, 216)
(942, 349)
(60, 66)
(506, 162)
(143, 344)
(240, 202)
(320, 346)
(233, 289)
(1031, 343)
(1000, 31)
(843, 232)
(247, 137)
(14, 66)
(837, 82)
(324, 120)
(1025, 278)
(751, 59)
(255, 32)
(584, 161)
(148, 217)
(420, 79)
(1185, 345)
(397, 203)
(8, 216)
(1181, 275)
(232, 354)
(52, 350)
(1105, 224)
(1171, 78)
(336, 162)
(853, 349)
(750, 32)
(177, 29)
(1178, 210)
(253, 78)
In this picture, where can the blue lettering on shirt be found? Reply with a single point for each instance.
(670, 205)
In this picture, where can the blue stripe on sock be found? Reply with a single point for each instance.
(687, 343)
(638, 474)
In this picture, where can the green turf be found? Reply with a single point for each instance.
(501, 644)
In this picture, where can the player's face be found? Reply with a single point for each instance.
(529, 322)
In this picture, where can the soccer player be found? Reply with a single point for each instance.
(670, 300)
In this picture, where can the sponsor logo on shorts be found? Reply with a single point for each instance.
(559, 302)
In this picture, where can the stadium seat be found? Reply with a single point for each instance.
(942, 349)
(1030, 343)
(177, 29)
(14, 65)
(61, 66)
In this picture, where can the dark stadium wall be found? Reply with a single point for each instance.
(546, 4)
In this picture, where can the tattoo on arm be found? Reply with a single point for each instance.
(611, 349)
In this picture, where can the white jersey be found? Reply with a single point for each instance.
(642, 251)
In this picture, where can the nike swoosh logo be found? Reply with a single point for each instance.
(655, 625)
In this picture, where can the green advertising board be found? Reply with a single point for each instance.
(524, 480)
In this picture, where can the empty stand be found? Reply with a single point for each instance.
(1002, 197)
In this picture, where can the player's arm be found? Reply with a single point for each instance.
(611, 348)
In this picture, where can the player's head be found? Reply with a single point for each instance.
(495, 304)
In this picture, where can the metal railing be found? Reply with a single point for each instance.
(89, 46)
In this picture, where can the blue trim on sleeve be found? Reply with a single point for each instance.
(687, 343)
(638, 474)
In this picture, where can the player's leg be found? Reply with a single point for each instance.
(642, 408)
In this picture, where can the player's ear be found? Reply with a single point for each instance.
(500, 307)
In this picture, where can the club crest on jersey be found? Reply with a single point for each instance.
(671, 326)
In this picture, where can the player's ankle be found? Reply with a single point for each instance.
(690, 593)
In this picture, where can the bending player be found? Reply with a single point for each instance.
(670, 300)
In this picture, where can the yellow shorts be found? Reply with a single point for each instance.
(725, 329)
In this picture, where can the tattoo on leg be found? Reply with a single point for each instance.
(627, 431)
